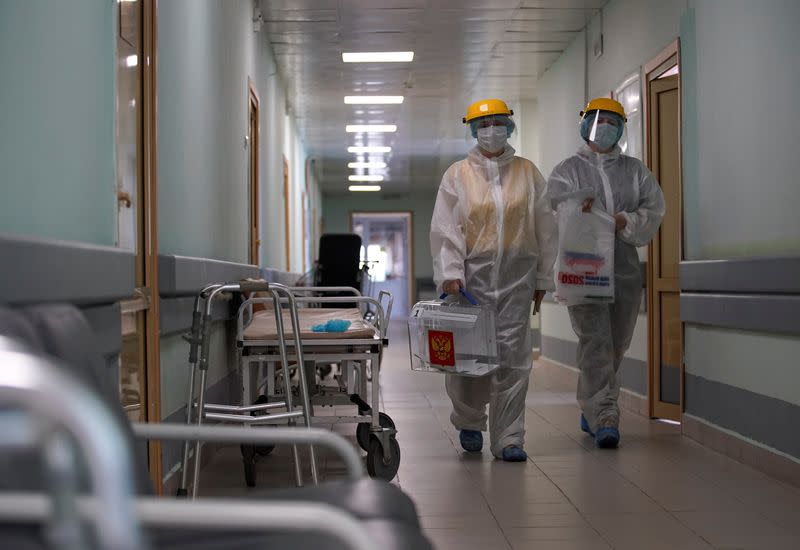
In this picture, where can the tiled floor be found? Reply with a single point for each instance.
(659, 490)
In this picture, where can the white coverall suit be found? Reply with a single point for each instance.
(605, 330)
(493, 228)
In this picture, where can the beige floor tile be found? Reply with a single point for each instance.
(444, 505)
(582, 533)
(527, 514)
(595, 544)
(458, 539)
(468, 522)
(636, 531)
(572, 519)
(732, 528)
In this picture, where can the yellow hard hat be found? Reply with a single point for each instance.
(487, 107)
(605, 104)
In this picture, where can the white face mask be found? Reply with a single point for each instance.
(492, 139)
(606, 136)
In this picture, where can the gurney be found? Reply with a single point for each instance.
(269, 349)
(358, 350)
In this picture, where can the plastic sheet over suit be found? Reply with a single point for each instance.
(623, 185)
(493, 229)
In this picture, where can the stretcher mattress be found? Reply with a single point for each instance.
(263, 326)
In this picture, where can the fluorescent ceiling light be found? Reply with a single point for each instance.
(370, 128)
(373, 99)
(366, 165)
(366, 177)
(364, 188)
(369, 149)
(132, 60)
(377, 57)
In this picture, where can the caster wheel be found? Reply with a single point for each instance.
(324, 371)
(263, 450)
(379, 465)
(249, 463)
(363, 433)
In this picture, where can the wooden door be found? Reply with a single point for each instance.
(666, 330)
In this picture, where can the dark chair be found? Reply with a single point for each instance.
(339, 264)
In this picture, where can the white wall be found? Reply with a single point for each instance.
(561, 97)
(761, 363)
(740, 79)
(208, 51)
(205, 54)
(634, 32)
(57, 113)
(740, 166)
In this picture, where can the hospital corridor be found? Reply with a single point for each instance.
(399, 274)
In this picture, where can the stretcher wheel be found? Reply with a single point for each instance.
(363, 433)
(324, 371)
(263, 450)
(249, 463)
(378, 464)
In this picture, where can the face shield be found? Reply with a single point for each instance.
(604, 129)
(492, 132)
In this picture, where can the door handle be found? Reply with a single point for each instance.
(125, 198)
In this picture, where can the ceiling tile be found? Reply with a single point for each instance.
(464, 50)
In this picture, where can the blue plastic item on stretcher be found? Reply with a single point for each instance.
(334, 325)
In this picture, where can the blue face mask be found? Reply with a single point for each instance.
(606, 136)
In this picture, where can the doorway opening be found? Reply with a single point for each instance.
(253, 143)
(665, 330)
(387, 252)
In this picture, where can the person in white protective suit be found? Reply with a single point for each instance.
(601, 174)
(493, 233)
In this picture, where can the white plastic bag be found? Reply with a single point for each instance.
(585, 254)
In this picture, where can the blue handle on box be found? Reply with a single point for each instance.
(471, 299)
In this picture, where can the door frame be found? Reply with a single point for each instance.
(412, 281)
(150, 202)
(668, 58)
(254, 174)
(287, 209)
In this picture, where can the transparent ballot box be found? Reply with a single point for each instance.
(452, 338)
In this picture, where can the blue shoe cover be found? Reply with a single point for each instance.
(585, 426)
(607, 438)
(471, 440)
(513, 453)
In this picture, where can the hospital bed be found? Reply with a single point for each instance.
(46, 403)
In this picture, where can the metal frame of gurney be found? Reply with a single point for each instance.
(359, 354)
(197, 410)
(383, 454)
(53, 406)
